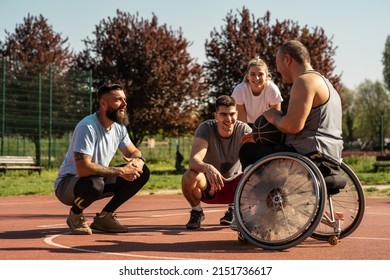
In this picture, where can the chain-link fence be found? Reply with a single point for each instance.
(40, 105)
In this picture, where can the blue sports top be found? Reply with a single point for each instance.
(91, 138)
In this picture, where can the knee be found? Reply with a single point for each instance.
(145, 175)
(188, 179)
(192, 180)
(245, 154)
(91, 187)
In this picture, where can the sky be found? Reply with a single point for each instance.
(357, 28)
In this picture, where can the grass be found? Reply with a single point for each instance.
(165, 178)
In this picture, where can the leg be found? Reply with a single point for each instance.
(79, 193)
(193, 184)
(252, 152)
(122, 191)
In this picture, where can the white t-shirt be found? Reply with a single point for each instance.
(256, 105)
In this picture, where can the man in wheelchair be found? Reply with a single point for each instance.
(313, 121)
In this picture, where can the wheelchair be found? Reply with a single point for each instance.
(283, 199)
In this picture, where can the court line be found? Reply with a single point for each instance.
(49, 240)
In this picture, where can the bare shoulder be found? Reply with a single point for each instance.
(314, 86)
(303, 85)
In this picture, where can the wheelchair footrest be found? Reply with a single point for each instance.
(338, 216)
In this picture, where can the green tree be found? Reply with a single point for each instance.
(372, 102)
(348, 116)
(244, 37)
(35, 54)
(165, 87)
(386, 63)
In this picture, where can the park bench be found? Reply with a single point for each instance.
(381, 161)
(19, 163)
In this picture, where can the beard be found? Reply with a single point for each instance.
(115, 116)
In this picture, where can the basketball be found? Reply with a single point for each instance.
(266, 133)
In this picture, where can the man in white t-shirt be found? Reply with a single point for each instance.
(85, 175)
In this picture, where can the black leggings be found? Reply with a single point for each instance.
(92, 188)
(252, 152)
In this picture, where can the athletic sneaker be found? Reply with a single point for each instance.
(108, 223)
(77, 224)
(227, 219)
(195, 219)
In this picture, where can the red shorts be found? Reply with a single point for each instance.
(225, 195)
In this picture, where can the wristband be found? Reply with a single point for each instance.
(142, 158)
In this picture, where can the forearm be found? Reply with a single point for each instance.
(99, 170)
(198, 165)
(277, 119)
(85, 167)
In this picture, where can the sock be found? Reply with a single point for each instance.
(197, 208)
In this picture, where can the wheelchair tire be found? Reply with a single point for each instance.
(279, 201)
(349, 202)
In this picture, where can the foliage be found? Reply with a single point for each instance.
(35, 54)
(371, 102)
(165, 88)
(164, 178)
(244, 37)
(386, 63)
(348, 116)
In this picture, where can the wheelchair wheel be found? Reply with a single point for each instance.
(348, 206)
(279, 201)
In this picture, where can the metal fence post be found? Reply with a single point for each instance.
(3, 112)
(50, 114)
(39, 118)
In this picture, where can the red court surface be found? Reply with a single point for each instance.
(34, 228)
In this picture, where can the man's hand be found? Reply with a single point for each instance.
(133, 169)
(247, 138)
(214, 178)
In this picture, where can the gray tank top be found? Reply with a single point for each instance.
(322, 133)
(222, 153)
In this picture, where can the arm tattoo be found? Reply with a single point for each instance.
(80, 156)
(104, 171)
(100, 170)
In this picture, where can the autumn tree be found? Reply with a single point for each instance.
(244, 36)
(164, 86)
(37, 62)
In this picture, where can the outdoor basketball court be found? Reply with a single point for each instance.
(34, 228)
